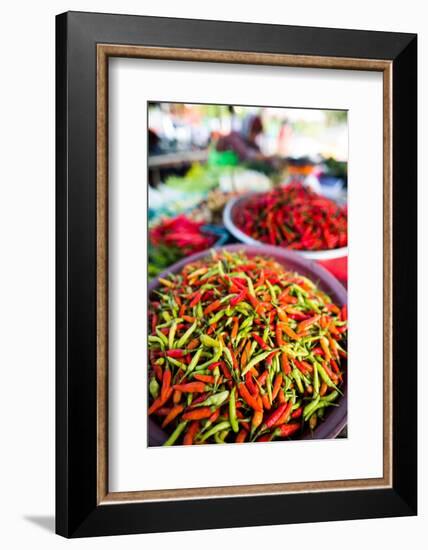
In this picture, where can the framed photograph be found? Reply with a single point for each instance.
(236, 241)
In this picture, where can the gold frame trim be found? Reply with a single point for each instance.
(104, 51)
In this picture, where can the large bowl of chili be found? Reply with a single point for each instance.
(291, 217)
(335, 418)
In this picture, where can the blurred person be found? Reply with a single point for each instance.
(244, 143)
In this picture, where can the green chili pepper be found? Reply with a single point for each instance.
(255, 360)
(157, 339)
(296, 375)
(316, 381)
(216, 318)
(213, 359)
(331, 396)
(194, 361)
(183, 340)
(177, 363)
(166, 316)
(310, 408)
(175, 434)
(215, 400)
(232, 411)
(217, 428)
(199, 310)
(325, 376)
(221, 436)
(208, 341)
(162, 336)
(154, 387)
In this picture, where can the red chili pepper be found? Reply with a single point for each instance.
(175, 353)
(196, 299)
(287, 430)
(264, 438)
(260, 341)
(262, 378)
(285, 417)
(298, 412)
(239, 298)
(275, 415)
(254, 390)
(154, 323)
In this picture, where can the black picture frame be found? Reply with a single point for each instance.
(78, 513)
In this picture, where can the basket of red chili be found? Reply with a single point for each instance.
(243, 346)
(290, 216)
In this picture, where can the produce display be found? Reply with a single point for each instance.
(293, 217)
(241, 350)
(174, 238)
(210, 210)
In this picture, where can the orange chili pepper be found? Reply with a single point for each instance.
(304, 325)
(191, 387)
(188, 318)
(290, 332)
(212, 307)
(235, 328)
(247, 397)
(276, 385)
(265, 401)
(173, 413)
(176, 398)
(197, 414)
(191, 432)
(166, 383)
(205, 378)
(241, 436)
(256, 420)
(278, 335)
(281, 314)
(285, 365)
(157, 403)
(193, 343)
(323, 389)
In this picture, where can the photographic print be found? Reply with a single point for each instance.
(247, 270)
(221, 220)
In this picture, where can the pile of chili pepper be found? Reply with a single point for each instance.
(293, 216)
(182, 233)
(241, 350)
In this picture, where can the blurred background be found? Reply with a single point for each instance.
(201, 156)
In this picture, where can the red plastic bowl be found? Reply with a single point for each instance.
(335, 419)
